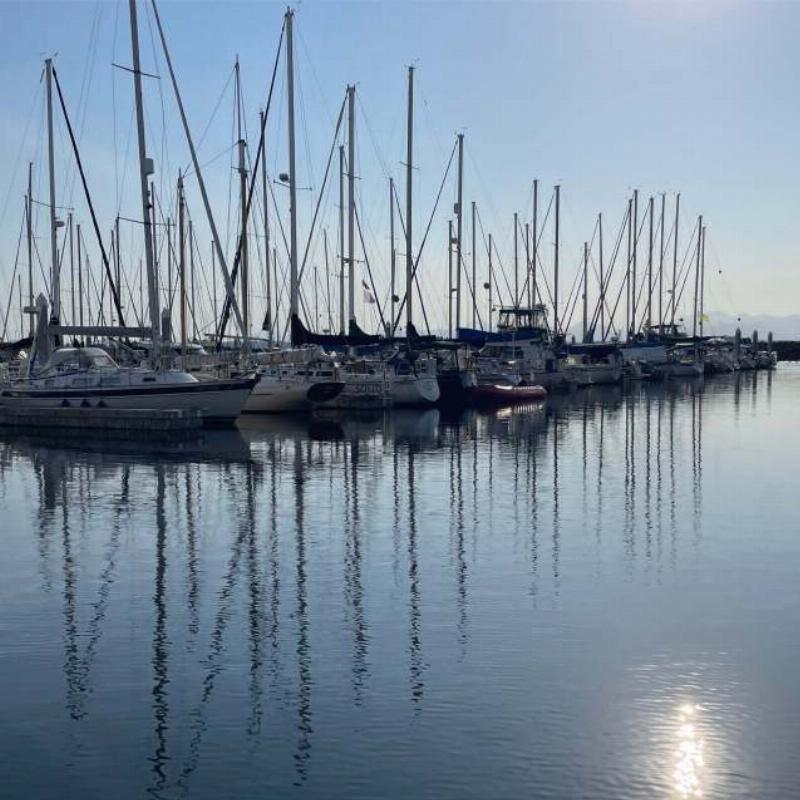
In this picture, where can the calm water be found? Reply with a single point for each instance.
(595, 598)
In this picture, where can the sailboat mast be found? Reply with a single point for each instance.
(293, 279)
(491, 278)
(29, 231)
(459, 226)
(80, 277)
(242, 146)
(555, 270)
(516, 261)
(70, 223)
(661, 265)
(527, 281)
(182, 268)
(409, 206)
(697, 276)
(351, 202)
(145, 169)
(650, 269)
(535, 250)
(585, 289)
(392, 255)
(191, 275)
(450, 279)
(342, 328)
(635, 246)
(267, 273)
(55, 281)
(675, 254)
(474, 273)
(602, 277)
(628, 273)
(702, 278)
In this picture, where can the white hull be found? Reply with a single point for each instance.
(288, 394)
(219, 402)
(361, 391)
(414, 390)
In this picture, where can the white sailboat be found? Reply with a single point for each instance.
(88, 376)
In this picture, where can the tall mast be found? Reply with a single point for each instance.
(409, 206)
(628, 273)
(351, 202)
(635, 246)
(535, 249)
(602, 277)
(327, 278)
(80, 278)
(392, 255)
(702, 277)
(450, 279)
(29, 231)
(474, 273)
(293, 281)
(491, 277)
(650, 269)
(145, 169)
(72, 318)
(697, 274)
(242, 146)
(182, 268)
(214, 280)
(342, 328)
(55, 280)
(585, 289)
(169, 276)
(675, 254)
(516, 260)
(191, 275)
(118, 262)
(459, 227)
(555, 271)
(267, 275)
(528, 261)
(661, 265)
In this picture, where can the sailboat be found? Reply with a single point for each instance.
(88, 377)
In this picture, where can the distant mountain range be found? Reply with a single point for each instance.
(783, 328)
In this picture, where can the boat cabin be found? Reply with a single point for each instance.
(517, 318)
(78, 359)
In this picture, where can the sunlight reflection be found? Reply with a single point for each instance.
(689, 755)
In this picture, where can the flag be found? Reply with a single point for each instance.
(705, 318)
(368, 296)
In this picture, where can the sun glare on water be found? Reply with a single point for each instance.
(689, 754)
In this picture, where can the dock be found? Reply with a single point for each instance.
(105, 422)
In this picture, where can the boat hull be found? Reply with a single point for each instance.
(415, 390)
(498, 394)
(288, 396)
(219, 402)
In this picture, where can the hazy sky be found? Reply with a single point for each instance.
(602, 97)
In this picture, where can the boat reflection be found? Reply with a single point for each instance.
(257, 541)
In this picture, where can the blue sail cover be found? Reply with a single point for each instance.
(478, 338)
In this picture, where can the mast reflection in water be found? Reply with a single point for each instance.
(500, 604)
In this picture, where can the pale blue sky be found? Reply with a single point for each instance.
(693, 97)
